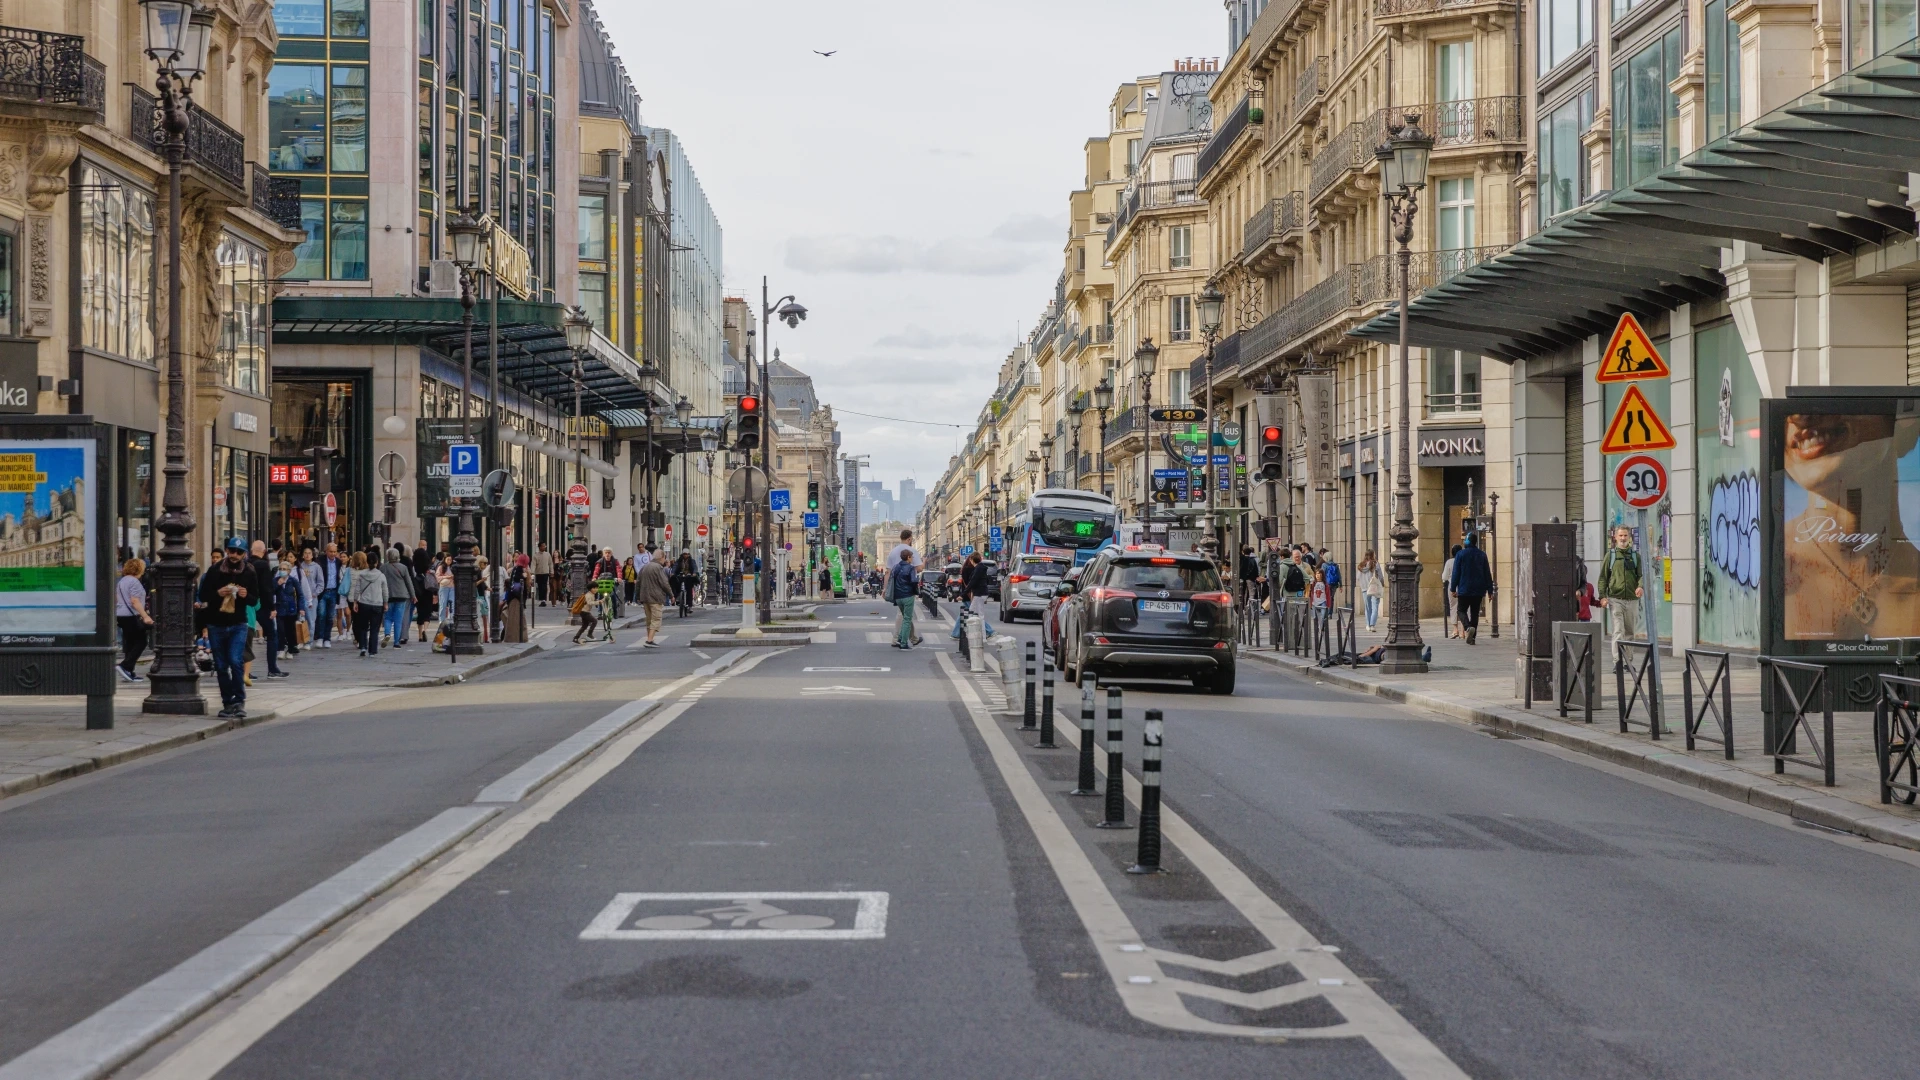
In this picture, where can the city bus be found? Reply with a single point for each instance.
(1062, 522)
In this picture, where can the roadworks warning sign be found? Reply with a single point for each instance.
(1630, 355)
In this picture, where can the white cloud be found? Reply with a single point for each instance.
(919, 337)
(1032, 229)
(848, 254)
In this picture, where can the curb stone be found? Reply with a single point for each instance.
(1711, 776)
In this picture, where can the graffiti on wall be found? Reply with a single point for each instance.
(1730, 537)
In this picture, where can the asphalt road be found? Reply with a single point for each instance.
(1486, 906)
(114, 878)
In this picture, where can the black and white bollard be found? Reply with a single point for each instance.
(1046, 705)
(1147, 861)
(1116, 765)
(1026, 722)
(1088, 783)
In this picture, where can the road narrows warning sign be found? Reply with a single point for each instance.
(1630, 355)
(1636, 427)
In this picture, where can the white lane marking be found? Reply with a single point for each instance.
(879, 637)
(826, 669)
(749, 917)
(701, 655)
(836, 691)
(1159, 1000)
(824, 637)
(220, 1044)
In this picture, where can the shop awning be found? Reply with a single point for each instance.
(1820, 176)
(534, 358)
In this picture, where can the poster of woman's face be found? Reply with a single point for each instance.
(1851, 570)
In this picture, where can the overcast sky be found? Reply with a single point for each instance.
(911, 189)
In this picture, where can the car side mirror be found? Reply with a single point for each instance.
(1063, 590)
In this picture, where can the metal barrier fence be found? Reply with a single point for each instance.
(1782, 741)
(1576, 672)
(1721, 683)
(1645, 691)
(1333, 637)
(1896, 737)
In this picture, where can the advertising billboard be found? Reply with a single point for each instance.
(49, 567)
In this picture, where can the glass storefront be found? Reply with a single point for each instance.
(310, 411)
(133, 501)
(1727, 491)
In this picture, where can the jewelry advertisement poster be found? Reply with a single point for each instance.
(1850, 512)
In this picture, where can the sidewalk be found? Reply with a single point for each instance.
(1477, 683)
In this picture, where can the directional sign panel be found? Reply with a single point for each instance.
(782, 499)
(1636, 427)
(1630, 355)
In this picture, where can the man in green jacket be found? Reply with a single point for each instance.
(1620, 590)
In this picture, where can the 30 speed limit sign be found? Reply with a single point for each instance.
(1640, 481)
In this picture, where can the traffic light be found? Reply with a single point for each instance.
(833, 521)
(813, 494)
(322, 469)
(1273, 450)
(746, 423)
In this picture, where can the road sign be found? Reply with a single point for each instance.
(701, 529)
(711, 510)
(1640, 481)
(781, 499)
(994, 543)
(810, 519)
(1630, 355)
(392, 467)
(578, 501)
(669, 532)
(463, 470)
(994, 533)
(966, 549)
(1636, 427)
(329, 508)
(1230, 433)
(1181, 415)
(497, 489)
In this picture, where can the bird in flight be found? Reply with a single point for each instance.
(830, 52)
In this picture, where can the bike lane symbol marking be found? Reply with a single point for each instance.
(855, 916)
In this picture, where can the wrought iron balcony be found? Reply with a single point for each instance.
(1309, 89)
(1224, 134)
(1272, 223)
(1398, 9)
(276, 198)
(1487, 121)
(1226, 357)
(1351, 151)
(211, 145)
(42, 68)
(1129, 421)
(1150, 196)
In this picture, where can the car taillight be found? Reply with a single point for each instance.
(1018, 578)
(1223, 599)
(1101, 592)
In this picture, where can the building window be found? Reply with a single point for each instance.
(593, 298)
(1646, 115)
(1566, 26)
(242, 293)
(232, 493)
(116, 266)
(1723, 70)
(349, 18)
(593, 227)
(1180, 318)
(317, 125)
(297, 118)
(1454, 71)
(1875, 26)
(1454, 222)
(347, 109)
(300, 18)
(7, 307)
(1177, 391)
(1453, 382)
(1563, 158)
(347, 241)
(1180, 247)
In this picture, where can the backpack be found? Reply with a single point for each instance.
(1296, 581)
(1333, 574)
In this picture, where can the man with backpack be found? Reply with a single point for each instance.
(1332, 571)
(1471, 581)
(1293, 579)
(1620, 591)
(903, 585)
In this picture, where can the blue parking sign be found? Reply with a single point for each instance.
(463, 459)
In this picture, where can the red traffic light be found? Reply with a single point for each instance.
(749, 403)
(1271, 434)
(746, 541)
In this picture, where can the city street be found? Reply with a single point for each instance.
(840, 860)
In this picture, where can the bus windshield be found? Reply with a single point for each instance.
(1072, 527)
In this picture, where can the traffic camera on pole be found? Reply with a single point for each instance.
(746, 423)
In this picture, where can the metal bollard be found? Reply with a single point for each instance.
(1004, 648)
(974, 630)
(1116, 765)
(1088, 784)
(1147, 861)
(1046, 705)
(1026, 720)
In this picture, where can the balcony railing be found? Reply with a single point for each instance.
(1463, 402)
(1309, 86)
(211, 145)
(50, 69)
(1390, 9)
(1150, 196)
(1224, 133)
(1126, 422)
(1349, 151)
(1468, 122)
(1271, 222)
(284, 202)
(1226, 357)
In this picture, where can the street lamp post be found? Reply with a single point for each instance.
(1077, 409)
(1403, 172)
(683, 412)
(789, 311)
(1033, 473)
(1046, 458)
(709, 442)
(579, 329)
(178, 34)
(1103, 400)
(1145, 361)
(1210, 305)
(465, 231)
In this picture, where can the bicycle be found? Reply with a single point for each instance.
(604, 589)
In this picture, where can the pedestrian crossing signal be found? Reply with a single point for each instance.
(1636, 427)
(1630, 355)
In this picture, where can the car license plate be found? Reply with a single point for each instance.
(1164, 607)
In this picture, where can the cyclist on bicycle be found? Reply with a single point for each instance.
(686, 575)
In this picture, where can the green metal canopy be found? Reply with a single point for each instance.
(534, 358)
(1823, 175)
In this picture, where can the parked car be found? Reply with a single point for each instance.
(1050, 618)
(1143, 612)
(1028, 589)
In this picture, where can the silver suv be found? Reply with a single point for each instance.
(1028, 585)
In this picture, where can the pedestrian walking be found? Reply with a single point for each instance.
(903, 583)
(1373, 585)
(223, 603)
(312, 581)
(893, 558)
(265, 617)
(1584, 597)
(288, 608)
(367, 599)
(331, 567)
(542, 572)
(443, 578)
(1620, 589)
(1446, 591)
(399, 596)
(655, 592)
(131, 615)
(1472, 577)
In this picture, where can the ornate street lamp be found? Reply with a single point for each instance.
(178, 34)
(1146, 359)
(579, 331)
(1076, 408)
(1211, 303)
(1103, 400)
(1046, 457)
(466, 231)
(1034, 463)
(683, 412)
(1403, 172)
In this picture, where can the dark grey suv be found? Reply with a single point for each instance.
(1151, 614)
